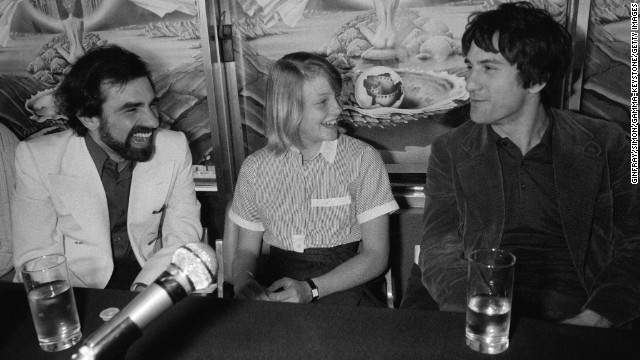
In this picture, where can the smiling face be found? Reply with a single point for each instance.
(321, 111)
(495, 89)
(129, 119)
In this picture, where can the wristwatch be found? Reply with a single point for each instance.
(314, 289)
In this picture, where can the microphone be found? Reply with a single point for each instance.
(193, 267)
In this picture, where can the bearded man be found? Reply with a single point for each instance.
(115, 193)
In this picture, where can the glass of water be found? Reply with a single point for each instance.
(489, 296)
(53, 306)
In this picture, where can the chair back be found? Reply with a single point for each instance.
(405, 229)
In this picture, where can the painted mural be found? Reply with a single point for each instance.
(418, 39)
(414, 44)
(607, 70)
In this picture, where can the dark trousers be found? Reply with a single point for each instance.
(316, 262)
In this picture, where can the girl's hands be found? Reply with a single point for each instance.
(290, 290)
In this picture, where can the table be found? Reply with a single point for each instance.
(210, 328)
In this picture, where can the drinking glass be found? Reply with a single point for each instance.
(52, 303)
(489, 297)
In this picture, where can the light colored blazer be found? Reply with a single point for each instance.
(59, 206)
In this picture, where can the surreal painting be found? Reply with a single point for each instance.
(401, 62)
(419, 40)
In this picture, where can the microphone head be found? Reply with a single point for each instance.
(198, 262)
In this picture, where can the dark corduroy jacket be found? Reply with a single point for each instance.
(599, 211)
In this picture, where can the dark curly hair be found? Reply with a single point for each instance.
(80, 92)
(529, 38)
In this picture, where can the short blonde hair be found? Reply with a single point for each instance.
(285, 96)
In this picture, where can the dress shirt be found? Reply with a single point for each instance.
(117, 185)
(533, 232)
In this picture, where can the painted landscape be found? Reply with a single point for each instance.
(39, 39)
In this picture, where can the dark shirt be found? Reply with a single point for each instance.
(117, 185)
(546, 282)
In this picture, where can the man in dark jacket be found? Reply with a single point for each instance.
(551, 186)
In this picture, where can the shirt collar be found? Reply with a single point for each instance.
(99, 156)
(545, 140)
(328, 150)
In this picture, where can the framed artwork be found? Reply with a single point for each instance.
(606, 72)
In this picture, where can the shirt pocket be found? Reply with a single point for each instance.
(330, 217)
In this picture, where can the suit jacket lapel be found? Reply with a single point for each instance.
(150, 186)
(481, 179)
(79, 188)
(577, 167)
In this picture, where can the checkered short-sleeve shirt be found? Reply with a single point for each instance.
(315, 204)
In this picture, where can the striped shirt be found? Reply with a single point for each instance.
(312, 204)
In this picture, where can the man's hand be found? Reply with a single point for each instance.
(289, 290)
(588, 318)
